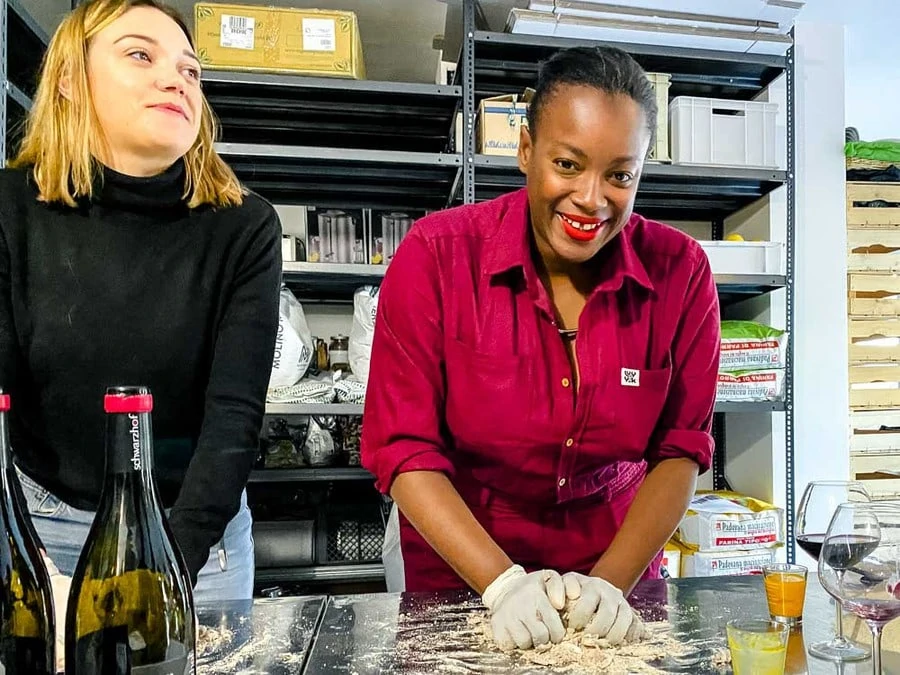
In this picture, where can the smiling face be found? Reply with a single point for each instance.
(582, 165)
(145, 86)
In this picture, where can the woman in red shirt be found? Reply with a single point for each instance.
(544, 371)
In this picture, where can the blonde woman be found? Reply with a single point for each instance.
(129, 253)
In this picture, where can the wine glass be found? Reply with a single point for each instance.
(860, 565)
(817, 505)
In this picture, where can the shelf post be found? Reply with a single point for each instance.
(468, 94)
(4, 83)
(790, 99)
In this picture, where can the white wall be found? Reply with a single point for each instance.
(820, 331)
(872, 89)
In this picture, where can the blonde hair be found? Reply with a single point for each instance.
(61, 131)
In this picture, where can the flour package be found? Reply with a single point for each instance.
(365, 306)
(293, 343)
(747, 345)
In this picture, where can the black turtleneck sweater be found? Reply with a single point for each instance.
(134, 288)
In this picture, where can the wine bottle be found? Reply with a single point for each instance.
(27, 628)
(130, 609)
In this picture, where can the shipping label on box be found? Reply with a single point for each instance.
(500, 119)
(722, 521)
(279, 40)
(335, 236)
(725, 563)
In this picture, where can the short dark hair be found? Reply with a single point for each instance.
(608, 69)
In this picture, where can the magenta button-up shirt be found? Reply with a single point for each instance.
(470, 377)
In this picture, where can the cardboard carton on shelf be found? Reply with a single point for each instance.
(315, 42)
(500, 119)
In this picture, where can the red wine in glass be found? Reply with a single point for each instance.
(811, 543)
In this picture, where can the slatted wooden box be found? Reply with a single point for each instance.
(875, 452)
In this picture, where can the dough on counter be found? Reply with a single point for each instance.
(591, 654)
(212, 639)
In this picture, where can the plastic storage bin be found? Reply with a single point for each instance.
(745, 257)
(660, 82)
(722, 132)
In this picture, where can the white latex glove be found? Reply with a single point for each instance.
(601, 609)
(525, 608)
(60, 585)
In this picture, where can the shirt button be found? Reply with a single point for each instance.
(562, 482)
(569, 442)
(565, 382)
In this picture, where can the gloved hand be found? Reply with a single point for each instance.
(525, 608)
(60, 585)
(601, 609)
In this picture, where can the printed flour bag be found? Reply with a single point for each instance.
(293, 343)
(747, 345)
(365, 306)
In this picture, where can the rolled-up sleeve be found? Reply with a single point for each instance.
(686, 421)
(404, 407)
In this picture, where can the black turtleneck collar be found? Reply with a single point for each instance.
(163, 191)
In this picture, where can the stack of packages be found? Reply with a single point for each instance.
(725, 533)
(752, 362)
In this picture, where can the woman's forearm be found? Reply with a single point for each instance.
(434, 507)
(658, 507)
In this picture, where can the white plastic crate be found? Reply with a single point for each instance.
(745, 257)
(721, 132)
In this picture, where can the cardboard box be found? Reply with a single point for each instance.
(725, 563)
(727, 521)
(499, 120)
(322, 43)
(336, 236)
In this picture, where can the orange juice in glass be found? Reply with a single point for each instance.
(785, 591)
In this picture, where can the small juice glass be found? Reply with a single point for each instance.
(758, 646)
(785, 592)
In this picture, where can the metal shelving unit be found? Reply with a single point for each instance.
(310, 474)
(314, 409)
(342, 177)
(507, 63)
(22, 44)
(337, 113)
(667, 192)
(362, 572)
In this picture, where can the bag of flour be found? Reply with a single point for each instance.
(293, 343)
(365, 306)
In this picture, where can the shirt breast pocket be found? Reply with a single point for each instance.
(488, 397)
(640, 396)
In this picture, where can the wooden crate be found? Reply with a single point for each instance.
(874, 355)
(873, 294)
(869, 216)
(873, 249)
(879, 472)
(875, 432)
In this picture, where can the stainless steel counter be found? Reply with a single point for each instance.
(431, 633)
(265, 636)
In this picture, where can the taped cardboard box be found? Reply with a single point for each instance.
(728, 521)
(500, 119)
(317, 42)
(725, 563)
